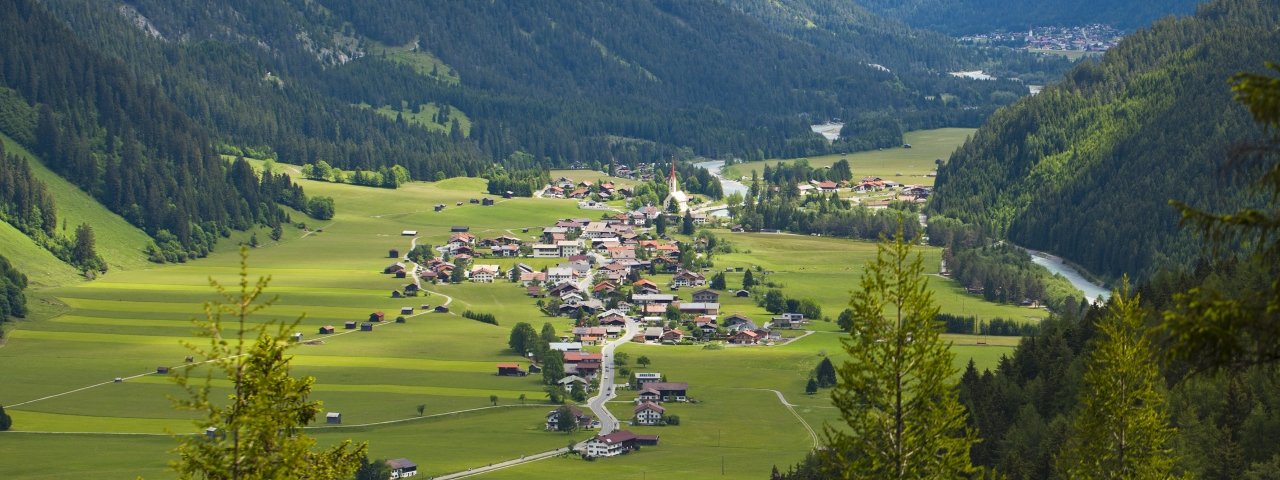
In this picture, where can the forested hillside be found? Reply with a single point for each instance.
(1086, 169)
(119, 139)
(566, 82)
(959, 17)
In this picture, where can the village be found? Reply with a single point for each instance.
(1094, 38)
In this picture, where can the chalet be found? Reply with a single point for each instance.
(613, 317)
(579, 193)
(553, 192)
(402, 468)
(698, 308)
(827, 186)
(706, 296)
(738, 321)
(687, 279)
(643, 286)
(529, 278)
(652, 334)
(563, 288)
(484, 273)
(571, 380)
(649, 413)
(744, 337)
(613, 444)
(664, 392)
(583, 419)
(559, 274)
(505, 250)
(672, 336)
(604, 288)
(509, 369)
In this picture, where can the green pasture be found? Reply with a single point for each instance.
(903, 165)
(425, 116)
(118, 242)
(131, 321)
(420, 60)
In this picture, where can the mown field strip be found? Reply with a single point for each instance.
(386, 389)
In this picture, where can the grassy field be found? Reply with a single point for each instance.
(131, 321)
(420, 60)
(425, 117)
(903, 165)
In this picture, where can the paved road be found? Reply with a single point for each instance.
(608, 423)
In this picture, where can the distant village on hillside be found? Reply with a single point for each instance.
(1088, 38)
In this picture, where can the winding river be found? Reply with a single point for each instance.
(1055, 264)
(1091, 290)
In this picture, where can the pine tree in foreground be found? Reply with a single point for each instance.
(257, 428)
(895, 392)
(1122, 429)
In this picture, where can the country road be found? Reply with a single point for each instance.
(609, 423)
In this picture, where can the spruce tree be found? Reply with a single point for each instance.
(1122, 429)
(259, 425)
(895, 392)
(748, 280)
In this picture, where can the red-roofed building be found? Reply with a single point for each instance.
(616, 443)
(510, 369)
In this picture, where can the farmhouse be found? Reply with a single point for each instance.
(687, 279)
(700, 308)
(649, 413)
(744, 337)
(485, 273)
(664, 392)
(613, 444)
(706, 296)
(402, 468)
(584, 420)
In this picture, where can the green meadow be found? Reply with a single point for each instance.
(59, 366)
(903, 165)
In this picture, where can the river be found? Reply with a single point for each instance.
(729, 186)
(1055, 264)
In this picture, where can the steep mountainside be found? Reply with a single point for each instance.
(958, 17)
(568, 82)
(1085, 169)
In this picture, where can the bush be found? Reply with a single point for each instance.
(481, 317)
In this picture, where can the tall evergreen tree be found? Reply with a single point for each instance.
(259, 425)
(1122, 429)
(748, 280)
(895, 392)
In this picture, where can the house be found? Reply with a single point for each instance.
(706, 296)
(565, 346)
(645, 286)
(333, 418)
(564, 288)
(568, 248)
(505, 250)
(571, 380)
(688, 279)
(644, 299)
(744, 337)
(584, 420)
(788, 320)
(546, 250)
(738, 321)
(641, 378)
(653, 334)
(613, 444)
(649, 413)
(559, 274)
(672, 336)
(510, 369)
(484, 273)
(827, 186)
(326, 329)
(527, 278)
(696, 308)
(402, 468)
(604, 288)
(664, 392)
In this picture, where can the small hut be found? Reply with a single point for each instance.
(393, 253)
(162, 370)
(326, 329)
(442, 309)
(297, 337)
(366, 327)
(406, 310)
(351, 325)
(377, 316)
(486, 202)
(400, 274)
(333, 418)
(395, 294)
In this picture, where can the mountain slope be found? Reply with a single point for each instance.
(568, 82)
(1085, 170)
(958, 17)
